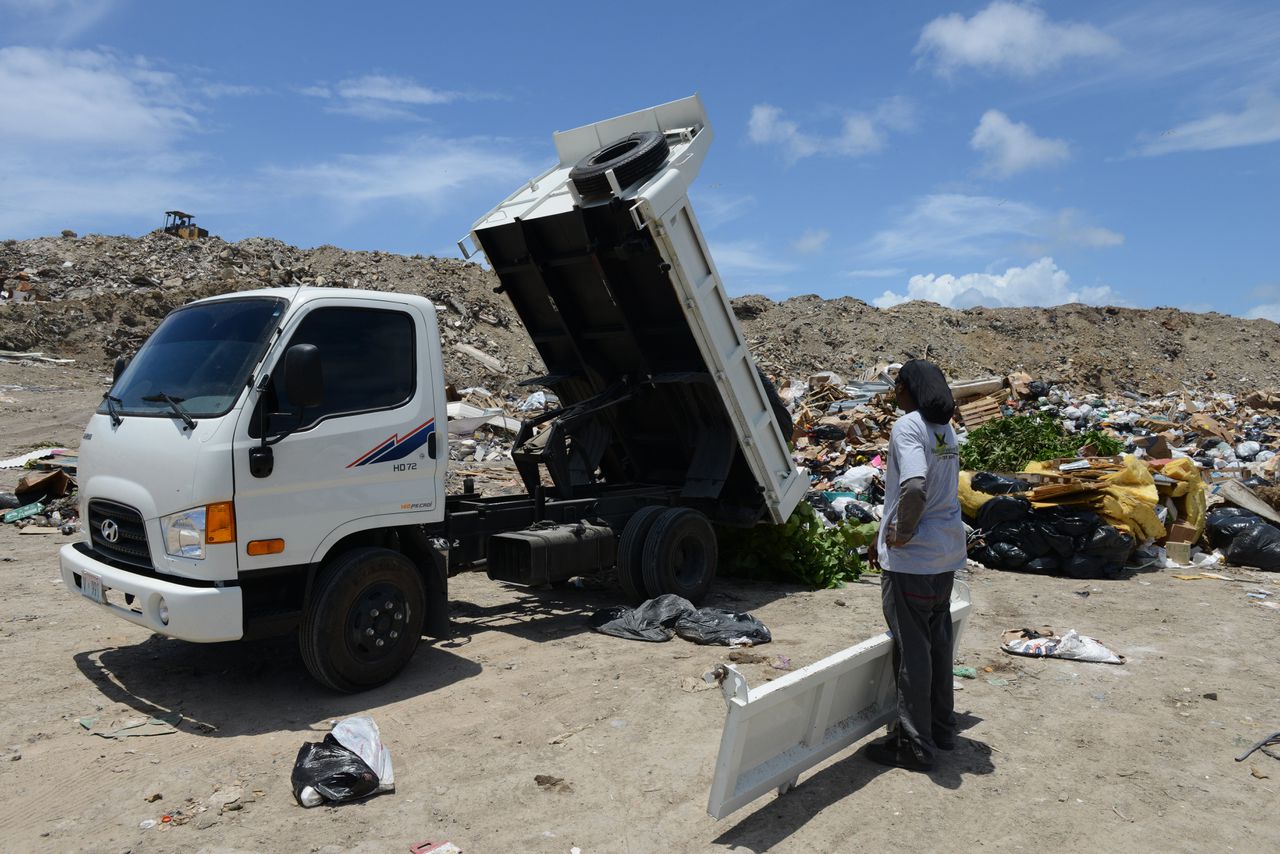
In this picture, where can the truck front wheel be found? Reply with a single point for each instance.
(680, 555)
(364, 620)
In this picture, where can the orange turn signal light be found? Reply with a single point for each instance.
(257, 548)
(220, 522)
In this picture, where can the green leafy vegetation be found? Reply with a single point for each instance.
(802, 550)
(1008, 444)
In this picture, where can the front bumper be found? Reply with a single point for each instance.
(200, 614)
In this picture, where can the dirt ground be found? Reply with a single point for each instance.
(1054, 755)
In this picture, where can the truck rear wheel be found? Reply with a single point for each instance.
(364, 620)
(631, 552)
(680, 554)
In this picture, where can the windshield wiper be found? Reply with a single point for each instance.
(175, 403)
(112, 401)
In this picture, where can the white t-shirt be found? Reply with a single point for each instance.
(920, 449)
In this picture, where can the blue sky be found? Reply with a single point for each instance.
(995, 153)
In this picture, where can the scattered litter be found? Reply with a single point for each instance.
(1262, 745)
(780, 662)
(147, 823)
(1046, 643)
(432, 847)
(161, 725)
(1257, 772)
(349, 764)
(965, 672)
(551, 783)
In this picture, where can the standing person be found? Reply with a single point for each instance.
(920, 546)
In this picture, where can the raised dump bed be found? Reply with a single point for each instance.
(603, 259)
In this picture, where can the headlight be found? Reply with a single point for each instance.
(184, 533)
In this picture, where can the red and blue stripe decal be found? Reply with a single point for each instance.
(395, 447)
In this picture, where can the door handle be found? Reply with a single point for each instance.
(431, 444)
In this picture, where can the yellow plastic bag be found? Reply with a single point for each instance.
(1189, 495)
(970, 499)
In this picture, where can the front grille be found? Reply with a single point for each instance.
(130, 546)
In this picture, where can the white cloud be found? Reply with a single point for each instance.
(1012, 147)
(382, 97)
(860, 134)
(813, 240)
(425, 171)
(231, 90)
(1068, 229)
(1257, 123)
(955, 225)
(89, 99)
(1266, 311)
(1039, 283)
(715, 208)
(878, 273)
(746, 258)
(90, 137)
(400, 90)
(56, 21)
(1008, 37)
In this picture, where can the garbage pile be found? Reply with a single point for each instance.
(1082, 483)
(45, 500)
(98, 297)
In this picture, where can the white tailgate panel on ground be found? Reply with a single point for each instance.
(774, 733)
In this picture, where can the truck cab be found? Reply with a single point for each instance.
(210, 497)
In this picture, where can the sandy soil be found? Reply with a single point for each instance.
(1055, 755)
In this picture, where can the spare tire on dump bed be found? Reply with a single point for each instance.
(631, 158)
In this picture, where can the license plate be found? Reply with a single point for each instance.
(91, 587)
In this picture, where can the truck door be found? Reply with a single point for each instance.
(362, 458)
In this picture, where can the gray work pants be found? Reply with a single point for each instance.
(918, 611)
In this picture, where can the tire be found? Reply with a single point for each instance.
(780, 413)
(348, 614)
(680, 555)
(631, 552)
(632, 158)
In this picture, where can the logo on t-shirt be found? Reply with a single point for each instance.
(942, 449)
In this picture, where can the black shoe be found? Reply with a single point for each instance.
(897, 754)
(946, 742)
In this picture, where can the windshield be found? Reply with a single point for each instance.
(200, 356)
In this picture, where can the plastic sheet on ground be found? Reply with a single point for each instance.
(663, 617)
(1047, 643)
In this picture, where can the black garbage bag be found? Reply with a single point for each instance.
(1079, 525)
(1002, 555)
(1224, 524)
(1252, 482)
(822, 505)
(994, 484)
(1038, 389)
(1103, 555)
(653, 620)
(1046, 565)
(1001, 510)
(8, 501)
(714, 626)
(337, 773)
(828, 433)
(1257, 546)
(858, 512)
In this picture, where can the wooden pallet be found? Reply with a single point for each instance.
(980, 411)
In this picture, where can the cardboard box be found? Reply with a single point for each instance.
(1181, 532)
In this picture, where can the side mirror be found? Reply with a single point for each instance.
(117, 369)
(303, 375)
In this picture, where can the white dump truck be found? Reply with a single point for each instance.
(274, 461)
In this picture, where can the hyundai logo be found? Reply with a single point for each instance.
(110, 530)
